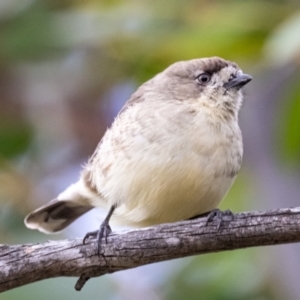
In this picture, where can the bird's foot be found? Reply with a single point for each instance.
(103, 232)
(92, 234)
(219, 216)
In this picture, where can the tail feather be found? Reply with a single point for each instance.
(55, 216)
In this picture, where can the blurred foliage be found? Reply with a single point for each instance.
(14, 138)
(289, 128)
(66, 68)
(220, 276)
(25, 34)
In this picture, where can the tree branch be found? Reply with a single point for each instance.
(23, 264)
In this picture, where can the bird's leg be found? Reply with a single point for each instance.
(103, 231)
(219, 215)
(215, 214)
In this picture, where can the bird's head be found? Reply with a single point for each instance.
(212, 82)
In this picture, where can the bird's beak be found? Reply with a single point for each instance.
(238, 82)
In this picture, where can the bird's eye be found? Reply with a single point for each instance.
(203, 78)
(232, 76)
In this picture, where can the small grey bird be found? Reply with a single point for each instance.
(172, 152)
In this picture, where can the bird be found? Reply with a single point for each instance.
(172, 152)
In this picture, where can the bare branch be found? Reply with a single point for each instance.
(23, 264)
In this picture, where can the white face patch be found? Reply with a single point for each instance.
(226, 101)
(224, 75)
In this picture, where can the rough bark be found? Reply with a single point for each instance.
(23, 264)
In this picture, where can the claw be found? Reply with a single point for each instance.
(219, 216)
(90, 234)
(103, 231)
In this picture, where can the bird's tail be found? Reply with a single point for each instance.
(55, 216)
(59, 213)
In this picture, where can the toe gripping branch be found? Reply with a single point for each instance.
(219, 216)
(103, 231)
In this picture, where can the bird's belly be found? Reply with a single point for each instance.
(171, 206)
(164, 190)
(152, 178)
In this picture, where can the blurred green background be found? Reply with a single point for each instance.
(68, 66)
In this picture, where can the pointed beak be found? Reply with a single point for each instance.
(238, 82)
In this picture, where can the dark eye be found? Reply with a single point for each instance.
(232, 76)
(203, 78)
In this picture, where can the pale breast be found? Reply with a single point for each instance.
(165, 167)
